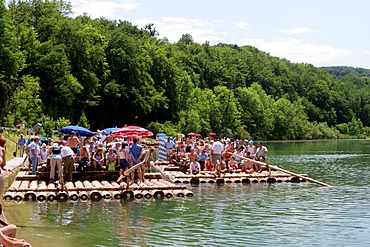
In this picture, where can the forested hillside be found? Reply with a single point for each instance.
(56, 69)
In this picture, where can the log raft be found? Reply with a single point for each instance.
(167, 183)
(266, 176)
(27, 187)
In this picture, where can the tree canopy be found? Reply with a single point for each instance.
(111, 73)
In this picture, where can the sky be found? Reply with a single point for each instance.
(318, 32)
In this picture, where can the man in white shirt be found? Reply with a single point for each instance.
(261, 155)
(169, 145)
(34, 153)
(68, 161)
(216, 151)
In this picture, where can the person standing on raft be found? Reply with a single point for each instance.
(135, 154)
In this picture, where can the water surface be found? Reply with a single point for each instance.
(282, 214)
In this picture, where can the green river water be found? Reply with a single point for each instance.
(281, 214)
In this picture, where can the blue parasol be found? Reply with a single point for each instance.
(80, 131)
(108, 130)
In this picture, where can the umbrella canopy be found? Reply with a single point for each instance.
(109, 130)
(161, 134)
(191, 134)
(212, 134)
(133, 130)
(80, 131)
(198, 135)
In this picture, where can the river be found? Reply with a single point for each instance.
(281, 214)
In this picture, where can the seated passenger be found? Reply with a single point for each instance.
(202, 159)
(194, 167)
(98, 159)
(233, 165)
(111, 159)
(84, 159)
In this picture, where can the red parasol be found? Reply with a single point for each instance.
(191, 134)
(133, 130)
(198, 135)
(212, 134)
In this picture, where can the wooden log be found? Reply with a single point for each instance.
(295, 179)
(30, 195)
(147, 194)
(105, 193)
(19, 196)
(117, 190)
(188, 193)
(138, 194)
(9, 195)
(168, 193)
(62, 196)
(110, 188)
(246, 181)
(72, 195)
(128, 195)
(179, 193)
(153, 175)
(51, 195)
(158, 194)
(194, 180)
(81, 194)
(93, 194)
(41, 196)
(220, 181)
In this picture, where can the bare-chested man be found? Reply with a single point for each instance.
(73, 141)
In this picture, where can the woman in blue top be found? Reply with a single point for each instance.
(202, 159)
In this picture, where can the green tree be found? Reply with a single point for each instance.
(26, 102)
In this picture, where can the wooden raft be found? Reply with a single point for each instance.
(176, 176)
(24, 188)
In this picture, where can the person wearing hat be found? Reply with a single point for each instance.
(251, 149)
(44, 153)
(21, 143)
(34, 149)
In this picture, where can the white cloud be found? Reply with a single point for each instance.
(366, 52)
(298, 30)
(300, 51)
(242, 24)
(174, 27)
(101, 8)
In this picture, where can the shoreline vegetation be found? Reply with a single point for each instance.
(56, 69)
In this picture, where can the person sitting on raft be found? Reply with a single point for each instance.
(233, 165)
(261, 155)
(194, 167)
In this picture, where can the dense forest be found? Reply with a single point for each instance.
(56, 69)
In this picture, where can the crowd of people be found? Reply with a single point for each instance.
(99, 152)
(225, 155)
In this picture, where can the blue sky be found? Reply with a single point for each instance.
(319, 32)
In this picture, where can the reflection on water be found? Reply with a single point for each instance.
(282, 214)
